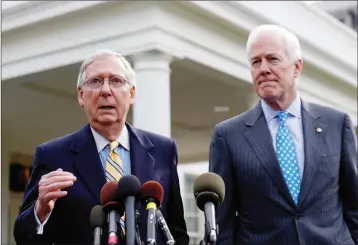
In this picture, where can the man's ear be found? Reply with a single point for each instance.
(80, 97)
(132, 94)
(298, 68)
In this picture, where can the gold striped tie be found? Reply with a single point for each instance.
(114, 170)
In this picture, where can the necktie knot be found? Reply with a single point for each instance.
(282, 116)
(113, 145)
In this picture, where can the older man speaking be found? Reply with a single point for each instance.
(70, 171)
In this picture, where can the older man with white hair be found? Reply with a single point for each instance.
(70, 171)
(289, 166)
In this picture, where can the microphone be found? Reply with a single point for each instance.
(128, 191)
(137, 233)
(209, 192)
(113, 208)
(164, 228)
(97, 220)
(152, 197)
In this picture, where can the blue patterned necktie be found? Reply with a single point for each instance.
(287, 157)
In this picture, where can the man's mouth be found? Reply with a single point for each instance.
(106, 107)
(267, 82)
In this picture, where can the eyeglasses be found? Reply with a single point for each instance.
(97, 82)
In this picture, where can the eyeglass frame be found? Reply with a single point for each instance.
(110, 82)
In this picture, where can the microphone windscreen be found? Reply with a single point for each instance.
(210, 182)
(97, 217)
(152, 189)
(108, 192)
(128, 185)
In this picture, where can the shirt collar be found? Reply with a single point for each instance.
(294, 109)
(101, 142)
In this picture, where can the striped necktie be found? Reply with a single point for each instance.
(114, 170)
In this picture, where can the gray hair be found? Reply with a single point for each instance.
(127, 68)
(292, 44)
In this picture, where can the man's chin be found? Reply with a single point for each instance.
(268, 93)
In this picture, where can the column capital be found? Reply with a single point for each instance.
(152, 59)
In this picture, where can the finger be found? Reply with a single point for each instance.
(56, 173)
(48, 174)
(57, 179)
(52, 196)
(55, 186)
(59, 173)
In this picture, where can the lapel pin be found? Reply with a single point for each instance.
(319, 130)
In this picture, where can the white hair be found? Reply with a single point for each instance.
(129, 73)
(292, 44)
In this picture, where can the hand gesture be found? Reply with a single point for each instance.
(51, 187)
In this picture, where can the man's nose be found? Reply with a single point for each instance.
(264, 68)
(106, 89)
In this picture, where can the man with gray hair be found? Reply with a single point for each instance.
(289, 166)
(70, 171)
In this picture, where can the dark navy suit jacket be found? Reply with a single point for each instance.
(153, 157)
(258, 208)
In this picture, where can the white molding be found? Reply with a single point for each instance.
(10, 7)
(334, 6)
(209, 16)
(165, 35)
(133, 43)
(186, 30)
(315, 33)
(317, 51)
(31, 12)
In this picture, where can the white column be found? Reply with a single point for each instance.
(151, 109)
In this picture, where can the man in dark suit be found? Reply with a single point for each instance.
(70, 171)
(289, 166)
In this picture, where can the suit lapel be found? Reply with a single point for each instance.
(259, 137)
(312, 147)
(142, 162)
(87, 162)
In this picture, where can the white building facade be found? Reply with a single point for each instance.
(191, 69)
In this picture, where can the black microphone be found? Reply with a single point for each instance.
(209, 192)
(152, 196)
(164, 228)
(113, 209)
(97, 220)
(137, 233)
(129, 189)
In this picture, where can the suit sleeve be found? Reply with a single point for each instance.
(175, 210)
(349, 178)
(220, 163)
(25, 229)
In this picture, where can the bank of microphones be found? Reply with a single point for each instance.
(118, 203)
(119, 199)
